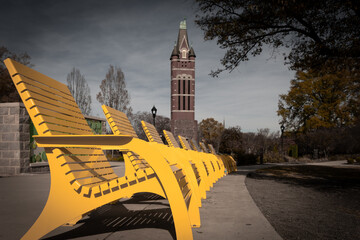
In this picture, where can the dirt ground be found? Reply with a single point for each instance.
(309, 202)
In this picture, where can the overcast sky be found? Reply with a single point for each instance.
(138, 36)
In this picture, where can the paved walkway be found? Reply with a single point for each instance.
(338, 164)
(228, 213)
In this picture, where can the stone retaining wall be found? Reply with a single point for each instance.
(14, 139)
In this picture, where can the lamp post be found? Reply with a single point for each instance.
(153, 111)
(282, 128)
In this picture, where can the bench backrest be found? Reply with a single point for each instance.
(203, 147)
(212, 149)
(54, 111)
(151, 132)
(50, 104)
(119, 122)
(170, 139)
(194, 145)
(120, 125)
(184, 143)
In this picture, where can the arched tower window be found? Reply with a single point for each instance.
(183, 52)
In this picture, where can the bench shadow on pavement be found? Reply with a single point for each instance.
(117, 217)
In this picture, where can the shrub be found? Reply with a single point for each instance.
(350, 160)
(273, 157)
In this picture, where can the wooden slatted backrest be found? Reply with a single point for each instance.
(183, 183)
(87, 166)
(151, 132)
(119, 122)
(212, 149)
(50, 104)
(120, 125)
(171, 139)
(203, 147)
(194, 145)
(54, 111)
(184, 143)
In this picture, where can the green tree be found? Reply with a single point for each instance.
(8, 92)
(211, 131)
(320, 101)
(80, 90)
(315, 32)
(113, 92)
(231, 140)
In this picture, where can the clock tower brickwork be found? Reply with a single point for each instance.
(183, 87)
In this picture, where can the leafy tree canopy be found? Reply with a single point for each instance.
(211, 131)
(8, 92)
(231, 140)
(320, 101)
(315, 32)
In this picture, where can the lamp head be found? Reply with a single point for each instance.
(153, 111)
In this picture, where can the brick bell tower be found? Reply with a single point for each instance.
(183, 87)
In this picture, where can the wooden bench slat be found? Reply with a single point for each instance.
(28, 72)
(88, 158)
(184, 143)
(119, 122)
(57, 109)
(89, 172)
(39, 88)
(86, 165)
(64, 130)
(79, 125)
(151, 132)
(82, 151)
(49, 100)
(96, 180)
(171, 139)
(46, 112)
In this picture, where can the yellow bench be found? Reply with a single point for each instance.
(194, 160)
(120, 124)
(228, 161)
(81, 177)
(178, 159)
(216, 166)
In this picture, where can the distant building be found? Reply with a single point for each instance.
(183, 87)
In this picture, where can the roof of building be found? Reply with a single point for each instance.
(182, 42)
(192, 53)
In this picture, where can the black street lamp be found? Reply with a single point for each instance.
(153, 111)
(282, 128)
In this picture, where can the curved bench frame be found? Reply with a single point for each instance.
(79, 182)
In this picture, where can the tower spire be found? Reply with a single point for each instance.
(183, 86)
(183, 24)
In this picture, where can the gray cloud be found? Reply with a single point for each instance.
(138, 36)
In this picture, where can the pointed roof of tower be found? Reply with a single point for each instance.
(183, 40)
(192, 53)
(183, 24)
(175, 51)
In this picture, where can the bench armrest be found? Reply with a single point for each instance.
(92, 141)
